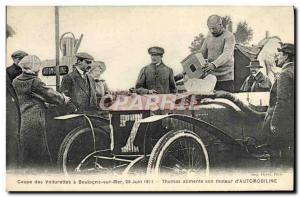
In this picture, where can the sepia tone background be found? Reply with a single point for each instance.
(120, 36)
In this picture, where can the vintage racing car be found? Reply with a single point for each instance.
(178, 134)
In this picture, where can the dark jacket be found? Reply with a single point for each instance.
(13, 123)
(13, 71)
(159, 78)
(280, 113)
(81, 91)
(259, 83)
(32, 93)
(283, 113)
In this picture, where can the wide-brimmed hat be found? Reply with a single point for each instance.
(99, 64)
(156, 51)
(254, 64)
(287, 48)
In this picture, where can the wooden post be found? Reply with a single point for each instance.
(57, 48)
(267, 34)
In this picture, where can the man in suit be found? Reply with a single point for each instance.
(279, 121)
(156, 78)
(80, 86)
(256, 81)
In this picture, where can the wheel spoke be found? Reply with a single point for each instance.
(177, 159)
(182, 148)
(188, 153)
(170, 168)
(193, 152)
(183, 156)
(200, 160)
(186, 150)
(196, 157)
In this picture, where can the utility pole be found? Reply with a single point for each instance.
(57, 48)
(267, 34)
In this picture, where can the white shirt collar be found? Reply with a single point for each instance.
(287, 64)
(257, 73)
(80, 72)
(157, 64)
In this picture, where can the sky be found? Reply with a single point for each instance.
(121, 36)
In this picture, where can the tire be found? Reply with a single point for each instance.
(173, 154)
(77, 145)
(137, 166)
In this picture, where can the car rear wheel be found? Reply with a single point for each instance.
(77, 145)
(179, 152)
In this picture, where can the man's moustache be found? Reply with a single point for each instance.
(216, 34)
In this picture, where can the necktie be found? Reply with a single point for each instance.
(85, 78)
(250, 82)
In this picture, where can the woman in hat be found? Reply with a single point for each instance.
(32, 94)
(96, 70)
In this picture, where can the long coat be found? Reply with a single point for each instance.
(283, 104)
(81, 91)
(13, 122)
(32, 94)
(281, 112)
(156, 77)
(259, 83)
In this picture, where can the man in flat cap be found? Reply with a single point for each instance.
(156, 78)
(256, 81)
(218, 49)
(80, 86)
(279, 120)
(15, 70)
